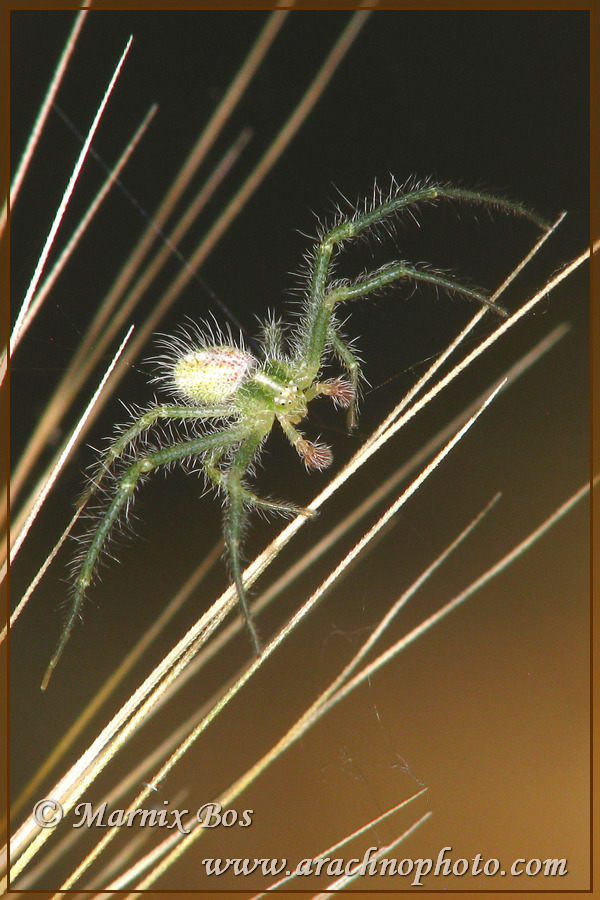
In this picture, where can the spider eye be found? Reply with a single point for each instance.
(288, 395)
(213, 374)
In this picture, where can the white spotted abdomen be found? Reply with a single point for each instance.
(212, 374)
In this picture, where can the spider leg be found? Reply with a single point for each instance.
(249, 497)
(235, 518)
(145, 421)
(399, 200)
(324, 330)
(315, 332)
(374, 281)
(122, 497)
(238, 498)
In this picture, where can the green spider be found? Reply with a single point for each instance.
(236, 397)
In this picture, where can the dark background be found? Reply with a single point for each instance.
(490, 710)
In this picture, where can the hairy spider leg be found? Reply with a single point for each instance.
(235, 515)
(124, 492)
(237, 498)
(351, 228)
(323, 330)
(319, 329)
(145, 421)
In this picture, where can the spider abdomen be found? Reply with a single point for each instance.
(212, 374)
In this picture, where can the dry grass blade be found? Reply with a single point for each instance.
(453, 604)
(50, 477)
(86, 221)
(42, 116)
(81, 369)
(18, 326)
(381, 853)
(335, 848)
(118, 676)
(234, 207)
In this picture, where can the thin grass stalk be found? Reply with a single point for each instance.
(44, 111)
(117, 677)
(45, 485)
(471, 325)
(335, 848)
(382, 852)
(74, 380)
(395, 422)
(18, 326)
(78, 233)
(234, 207)
(144, 863)
(453, 604)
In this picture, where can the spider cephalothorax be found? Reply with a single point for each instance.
(236, 397)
